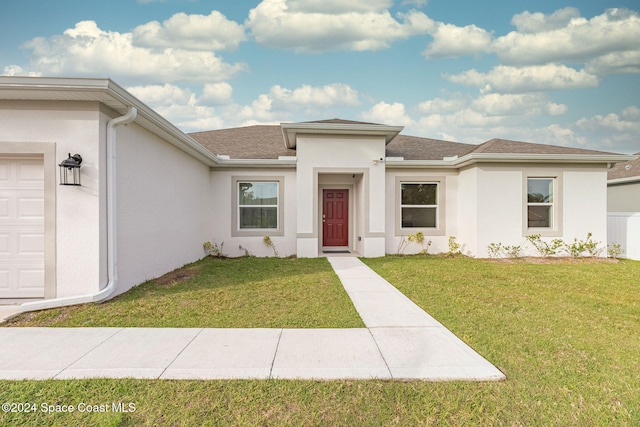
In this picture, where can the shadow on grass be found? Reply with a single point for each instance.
(215, 292)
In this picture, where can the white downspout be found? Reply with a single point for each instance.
(112, 253)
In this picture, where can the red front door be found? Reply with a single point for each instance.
(335, 218)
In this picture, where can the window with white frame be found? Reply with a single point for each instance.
(258, 205)
(419, 204)
(540, 200)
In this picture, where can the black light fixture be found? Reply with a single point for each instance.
(70, 170)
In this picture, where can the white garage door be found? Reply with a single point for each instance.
(21, 227)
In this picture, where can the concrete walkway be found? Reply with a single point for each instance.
(401, 341)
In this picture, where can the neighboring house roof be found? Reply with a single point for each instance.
(625, 171)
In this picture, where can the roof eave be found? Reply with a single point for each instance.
(290, 130)
(255, 163)
(541, 158)
(622, 181)
(512, 158)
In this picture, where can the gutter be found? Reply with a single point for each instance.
(112, 254)
(513, 157)
(623, 181)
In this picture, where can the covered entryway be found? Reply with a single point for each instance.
(22, 227)
(335, 218)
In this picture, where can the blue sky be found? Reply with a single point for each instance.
(554, 72)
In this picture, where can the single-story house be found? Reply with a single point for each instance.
(151, 195)
(623, 205)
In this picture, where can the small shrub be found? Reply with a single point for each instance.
(214, 250)
(545, 249)
(267, 241)
(578, 247)
(494, 250)
(419, 238)
(614, 250)
(592, 247)
(514, 251)
(455, 248)
(402, 245)
(245, 250)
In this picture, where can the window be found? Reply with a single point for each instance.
(419, 205)
(258, 205)
(540, 200)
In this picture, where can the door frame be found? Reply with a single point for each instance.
(350, 220)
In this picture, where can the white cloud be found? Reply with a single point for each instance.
(358, 25)
(615, 63)
(166, 94)
(216, 94)
(191, 32)
(88, 50)
(526, 79)
(527, 22)
(563, 36)
(529, 104)
(451, 41)
(392, 114)
(625, 122)
(440, 105)
(178, 105)
(332, 94)
(282, 104)
(16, 70)
(338, 6)
(418, 3)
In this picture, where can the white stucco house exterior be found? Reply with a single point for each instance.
(150, 195)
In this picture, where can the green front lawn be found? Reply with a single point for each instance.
(567, 335)
(221, 293)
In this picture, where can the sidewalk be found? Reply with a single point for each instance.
(400, 341)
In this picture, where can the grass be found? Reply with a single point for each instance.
(221, 293)
(567, 336)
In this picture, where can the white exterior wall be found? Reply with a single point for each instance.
(580, 200)
(164, 206)
(321, 156)
(448, 201)
(222, 211)
(500, 204)
(467, 221)
(70, 128)
(585, 204)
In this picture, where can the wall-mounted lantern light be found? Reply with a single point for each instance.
(70, 170)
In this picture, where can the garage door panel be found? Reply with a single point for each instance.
(5, 247)
(21, 228)
(30, 208)
(31, 278)
(4, 207)
(29, 174)
(4, 171)
(29, 244)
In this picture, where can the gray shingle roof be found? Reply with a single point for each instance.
(266, 142)
(505, 146)
(251, 142)
(628, 169)
(416, 148)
